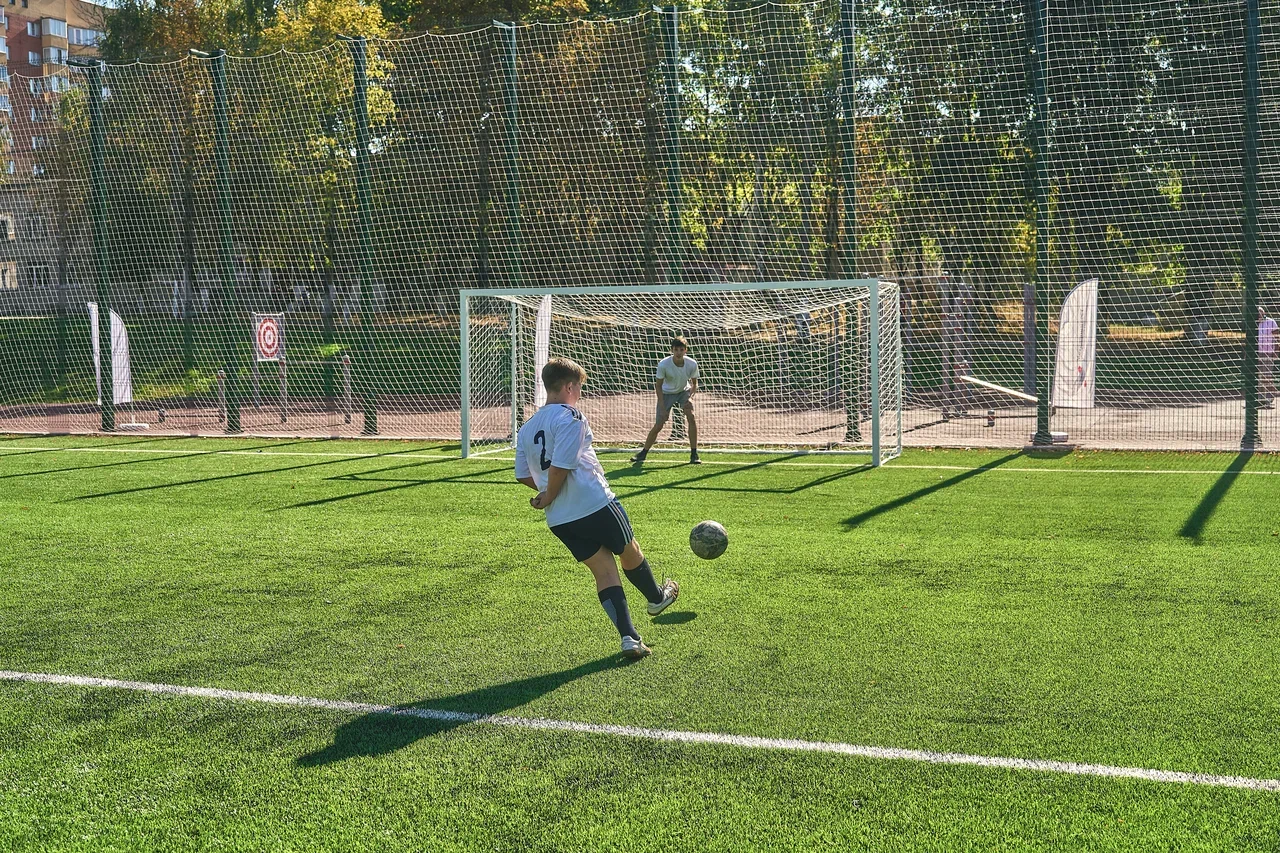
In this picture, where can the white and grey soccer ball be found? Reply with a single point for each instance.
(708, 540)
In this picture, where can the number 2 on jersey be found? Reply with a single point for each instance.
(540, 439)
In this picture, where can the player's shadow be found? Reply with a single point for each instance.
(678, 618)
(866, 515)
(1193, 527)
(383, 732)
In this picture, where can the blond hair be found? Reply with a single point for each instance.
(559, 370)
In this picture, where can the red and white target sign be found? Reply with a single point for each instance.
(268, 336)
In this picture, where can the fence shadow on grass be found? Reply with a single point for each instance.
(397, 483)
(15, 453)
(240, 475)
(694, 483)
(1193, 527)
(625, 489)
(177, 454)
(383, 732)
(897, 503)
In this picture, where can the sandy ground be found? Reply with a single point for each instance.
(624, 420)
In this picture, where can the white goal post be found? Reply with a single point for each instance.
(796, 366)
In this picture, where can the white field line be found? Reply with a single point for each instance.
(334, 454)
(666, 735)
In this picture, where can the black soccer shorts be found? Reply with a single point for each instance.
(608, 527)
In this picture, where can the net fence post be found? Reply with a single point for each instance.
(511, 103)
(844, 256)
(284, 390)
(364, 228)
(226, 246)
(484, 148)
(1039, 138)
(670, 16)
(101, 250)
(1249, 253)
(873, 363)
(515, 371)
(346, 388)
(651, 78)
(464, 378)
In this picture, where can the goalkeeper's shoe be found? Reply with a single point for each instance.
(670, 592)
(639, 457)
(634, 648)
(694, 459)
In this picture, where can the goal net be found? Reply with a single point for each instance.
(811, 365)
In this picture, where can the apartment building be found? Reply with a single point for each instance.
(37, 37)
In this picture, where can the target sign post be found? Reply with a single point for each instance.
(268, 345)
(268, 336)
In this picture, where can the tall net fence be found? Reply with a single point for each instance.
(331, 206)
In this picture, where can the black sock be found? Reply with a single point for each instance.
(641, 578)
(614, 602)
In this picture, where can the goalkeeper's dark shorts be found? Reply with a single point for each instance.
(607, 527)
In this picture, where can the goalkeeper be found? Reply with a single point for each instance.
(554, 457)
(675, 381)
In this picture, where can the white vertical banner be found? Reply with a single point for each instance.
(1075, 367)
(541, 350)
(121, 375)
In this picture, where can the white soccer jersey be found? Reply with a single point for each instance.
(675, 377)
(559, 435)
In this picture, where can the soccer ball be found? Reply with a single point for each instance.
(708, 540)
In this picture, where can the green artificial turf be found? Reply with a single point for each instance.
(1119, 609)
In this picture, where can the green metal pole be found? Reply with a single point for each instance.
(484, 182)
(64, 254)
(671, 39)
(1039, 139)
(511, 96)
(844, 256)
(364, 220)
(226, 245)
(1252, 86)
(652, 72)
(101, 251)
(188, 259)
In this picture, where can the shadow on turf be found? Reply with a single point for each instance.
(185, 454)
(897, 503)
(398, 483)
(16, 453)
(381, 733)
(240, 475)
(689, 482)
(473, 478)
(1193, 527)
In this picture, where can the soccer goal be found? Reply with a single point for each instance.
(789, 366)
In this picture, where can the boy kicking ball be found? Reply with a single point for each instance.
(554, 457)
(675, 381)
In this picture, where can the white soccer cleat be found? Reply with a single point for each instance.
(670, 592)
(634, 648)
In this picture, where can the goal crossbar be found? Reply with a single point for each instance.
(872, 286)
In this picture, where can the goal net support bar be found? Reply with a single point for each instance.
(786, 366)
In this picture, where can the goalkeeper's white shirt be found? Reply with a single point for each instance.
(559, 435)
(675, 377)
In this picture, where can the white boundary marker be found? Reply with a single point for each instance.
(666, 735)
(17, 450)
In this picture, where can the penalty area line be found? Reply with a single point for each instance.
(879, 753)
